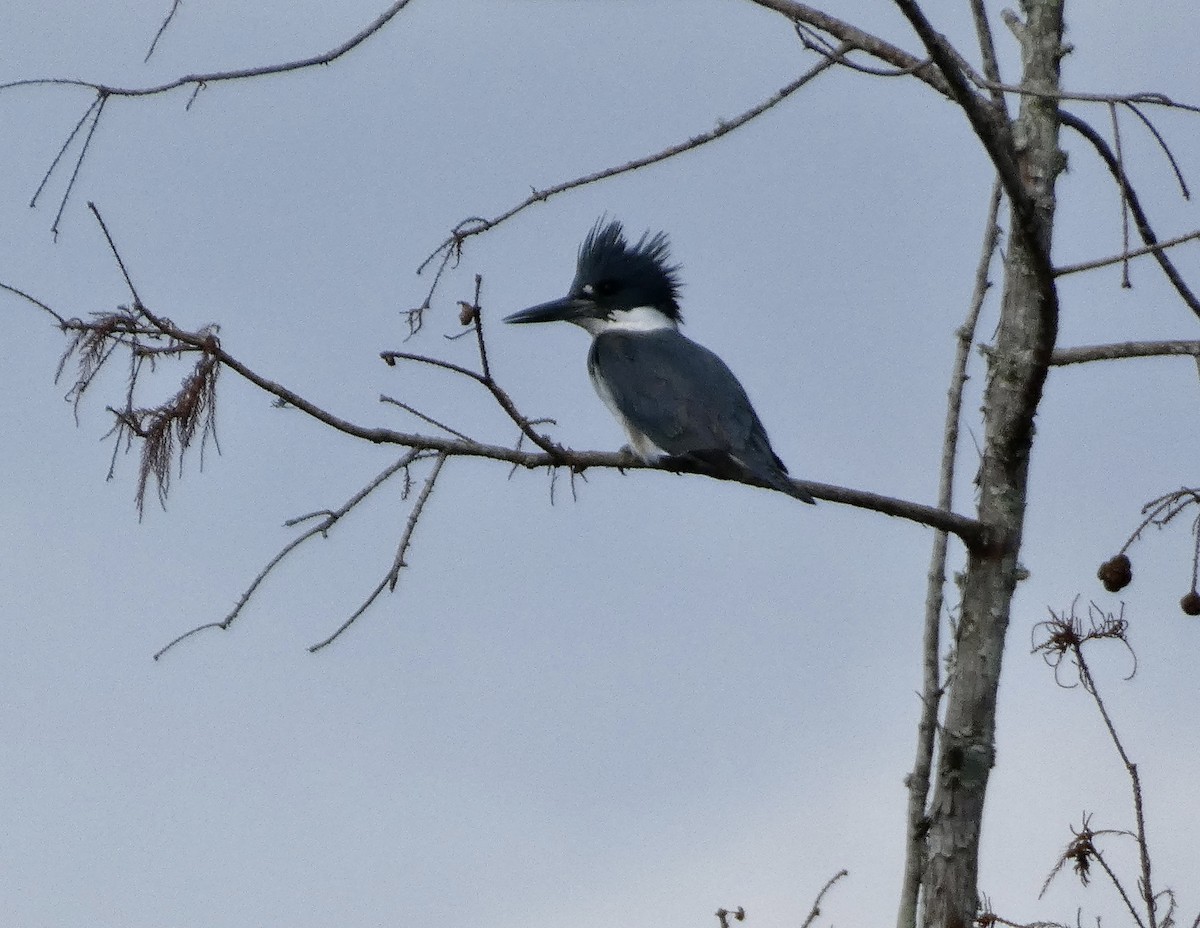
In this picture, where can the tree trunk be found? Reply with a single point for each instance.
(1016, 373)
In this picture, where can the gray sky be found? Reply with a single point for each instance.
(668, 696)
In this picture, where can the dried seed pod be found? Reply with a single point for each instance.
(1191, 603)
(467, 313)
(1115, 573)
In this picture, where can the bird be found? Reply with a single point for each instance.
(677, 401)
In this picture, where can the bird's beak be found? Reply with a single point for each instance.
(565, 309)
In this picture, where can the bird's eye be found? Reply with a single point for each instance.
(606, 287)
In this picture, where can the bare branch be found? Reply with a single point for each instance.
(393, 574)
(163, 28)
(331, 518)
(1162, 144)
(969, 530)
(477, 225)
(212, 77)
(1065, 636)
(995, 134)
(858, 39)
(1148, 98)
(1065, 269)
(199, 80)
(63, 149)
(87, 141)
(931, 688)
(1122, 350)
(383, 398)
(987, 53)
(1130, 195)
(61, 320)
(813, 41)
(816, 906)
(116, 254)
(1117, 151)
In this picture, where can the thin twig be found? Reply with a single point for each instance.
(162, 28)
(813, 41)
(137, 300)
(199, 80)
(87, 141)
(987, 54)
(816, 906)
(212, 77)
(1083, 354)
(384, 398)
(1157, 247)
(1149, 97)
(61, 320)
(1139, 215)
(498, 393)
(1162, 144)
(1089, 684)
(1116, 128)
(994, 133)
(63, 150)
(331, 518)
(393, 574)
(931, 688)
(477, 225)
(477, 313)
(859, 40)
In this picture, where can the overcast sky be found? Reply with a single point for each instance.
(632, 708)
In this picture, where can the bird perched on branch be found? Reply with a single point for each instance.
(674, 398)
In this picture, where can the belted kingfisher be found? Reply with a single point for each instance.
(674, 398)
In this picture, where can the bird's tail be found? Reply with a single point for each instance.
(770, 472)
(779, 480)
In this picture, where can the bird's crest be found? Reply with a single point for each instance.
(607, 255)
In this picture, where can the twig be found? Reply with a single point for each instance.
(60, 320)
(1148, 97)
(931, 689)
(384, 398)
(393, 574)
(860, 40)
(498, 393)
(63, 150)
(137, 300)
(813, 42)
(331, 518)
(477, 225)
(212, 77)
(995, 135)
(987, 53)
(1162, 144)
(816, 907)
(1083, 354)
(1064, 635)
(162, 28)
(1066, 269)
(1089, 684)
(1116, 128)
(104, 91)
(1139, 215)
(87, 141)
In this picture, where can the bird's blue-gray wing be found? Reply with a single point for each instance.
(678, 393)
(687, 402)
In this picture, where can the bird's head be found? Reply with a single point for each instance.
(617, 285)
